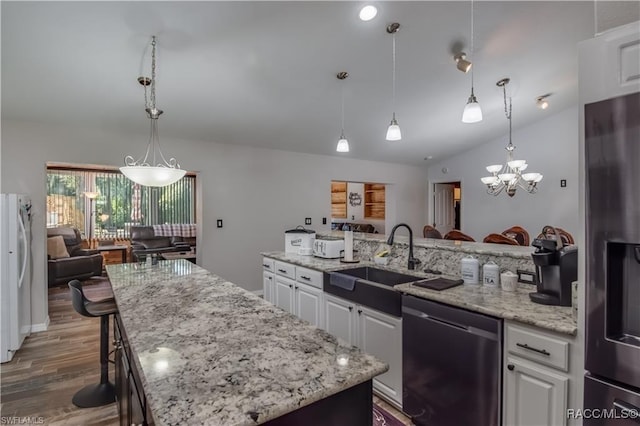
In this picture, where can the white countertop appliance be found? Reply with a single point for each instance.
(328, 248)
(299, 241)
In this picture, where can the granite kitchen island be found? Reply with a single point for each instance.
(196, 349)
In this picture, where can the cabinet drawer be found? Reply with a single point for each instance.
(538, 347)
(309, 276)
(286, 269)
(268, 264)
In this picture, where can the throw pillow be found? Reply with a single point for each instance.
(56, 248)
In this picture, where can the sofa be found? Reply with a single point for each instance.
(144, 241)
(76, 263)
(355, 227)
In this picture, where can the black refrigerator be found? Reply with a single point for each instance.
(612, 344)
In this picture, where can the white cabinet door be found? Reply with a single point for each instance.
(381, 336)
(267, 286)
(533, 394)
(283, 291)
(308, 304)
(339, 318)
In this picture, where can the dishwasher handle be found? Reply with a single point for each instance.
(469, 329)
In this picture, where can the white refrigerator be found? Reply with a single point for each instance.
(15, 271)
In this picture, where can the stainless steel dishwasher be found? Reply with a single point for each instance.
(451, 365)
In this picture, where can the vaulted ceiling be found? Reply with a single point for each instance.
(264, 73)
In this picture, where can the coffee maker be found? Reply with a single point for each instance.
(556, 268)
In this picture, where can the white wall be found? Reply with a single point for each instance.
(259, 193)
(550, 147)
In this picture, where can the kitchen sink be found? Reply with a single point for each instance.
(373, 288)
(380, 276)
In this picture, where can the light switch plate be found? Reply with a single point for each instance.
(219, 223)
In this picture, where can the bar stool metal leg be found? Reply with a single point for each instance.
(104, 392)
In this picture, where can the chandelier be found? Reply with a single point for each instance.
(152, 169)
(509, 177)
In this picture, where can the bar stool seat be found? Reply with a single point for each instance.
(104, 392)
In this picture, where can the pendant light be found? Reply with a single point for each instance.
(393, 132)
(343, 143)
(152, 169)
(472, 112)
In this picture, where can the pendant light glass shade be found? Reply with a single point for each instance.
(152, 169)
(472, 112)
(343, 144)
(153, 176)
(393, 131)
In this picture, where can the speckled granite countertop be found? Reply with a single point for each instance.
(487, 300)
(209, 352)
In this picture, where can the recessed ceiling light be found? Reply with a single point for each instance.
(368, 12)
(428, 157)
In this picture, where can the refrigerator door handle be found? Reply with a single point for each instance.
(630, 411)
(23, 235)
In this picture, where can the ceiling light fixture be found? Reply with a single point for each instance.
(393, 131)
(368, 12)
(542, 102)
(152, 169)
(510, 176)
(461, 62)
(472, 112)
(343, 143)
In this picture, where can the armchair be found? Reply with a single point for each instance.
(81, 263)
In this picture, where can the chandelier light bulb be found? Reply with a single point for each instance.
(368, 12)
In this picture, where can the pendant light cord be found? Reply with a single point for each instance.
(342, 108)
(393, 90)
(472, 51)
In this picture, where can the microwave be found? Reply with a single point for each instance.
(328, 248)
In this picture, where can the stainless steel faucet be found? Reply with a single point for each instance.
(412, 261)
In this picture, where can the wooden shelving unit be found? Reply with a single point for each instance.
(374, 200)
(338, 199)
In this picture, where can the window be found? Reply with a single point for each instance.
(120, 202)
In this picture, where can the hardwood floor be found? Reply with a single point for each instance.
(51, 366)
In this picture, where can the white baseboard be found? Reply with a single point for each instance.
(258, 293)
(43, 326)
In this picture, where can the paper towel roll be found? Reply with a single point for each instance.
(348, 246)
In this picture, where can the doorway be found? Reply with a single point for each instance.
(447, 200)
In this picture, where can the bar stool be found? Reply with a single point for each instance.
(104, 392)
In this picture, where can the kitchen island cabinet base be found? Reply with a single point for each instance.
(353, 406)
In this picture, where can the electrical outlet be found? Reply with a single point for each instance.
(324, 220)
(219, 223)
(307, 221)
(563, 183)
